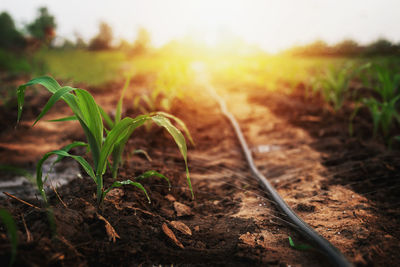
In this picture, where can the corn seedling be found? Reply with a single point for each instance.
(88, 113)
(334, 86)
(117, 159)
(11, 228)
(382, 107)
(383, 114)
(382, 80)
(388, 83)
(312, 87)
(168, 85)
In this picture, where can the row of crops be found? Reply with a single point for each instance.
(369, 85)
(373, 86)
(360, 85)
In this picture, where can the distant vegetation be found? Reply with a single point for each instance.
(346, 48)
(365, 77)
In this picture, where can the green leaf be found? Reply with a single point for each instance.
(179, 140)
(127, 182)
(352, 116)
(90, 114)
(52, 86)
(299, 246)
(94, 148)
(49, 83)
(119, 132)
(180, 123)
(67, 148)
(106, 118)
(117, 156)
(39, 172)
(153, 173)
(9, 223)
(119, 105)
(69, 118)
(53, 99)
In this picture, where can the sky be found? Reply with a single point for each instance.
(272, 25)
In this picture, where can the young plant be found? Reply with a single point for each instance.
(169, 84)
(387, 83)
(312, 87)
(383, 114)
(299, 246)
(117, 154)
(334, 86)
(382, 107)
(88, 113)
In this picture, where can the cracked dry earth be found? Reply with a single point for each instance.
(231, 222)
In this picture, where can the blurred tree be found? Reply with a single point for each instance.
(124, 45)
(68, 45)
(317, 48)
(43, 27)
(142, 43)
(79, 41)
(347, 48)
(381, 47)
(103, 39)
(10, 37)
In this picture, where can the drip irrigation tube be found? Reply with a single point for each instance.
(330, 251)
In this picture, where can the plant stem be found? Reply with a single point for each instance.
(99, 179)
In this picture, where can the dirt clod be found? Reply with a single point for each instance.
(183, 228)
(168, 232)
(182, 209)
(170, 198)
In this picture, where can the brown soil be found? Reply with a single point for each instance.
(345, 188)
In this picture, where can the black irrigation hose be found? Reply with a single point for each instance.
(330, 251)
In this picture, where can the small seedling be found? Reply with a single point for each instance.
(169, 84)
(88, 113)
(383, 114)
(298, 246)
(117, 154)
(334, 86)
(382, 107)
(387, 83)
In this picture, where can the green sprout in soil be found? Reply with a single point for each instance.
(298, 246)
(169, 84)
(382, 106)
(383, 114)
(334, 86)
(89, 115)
